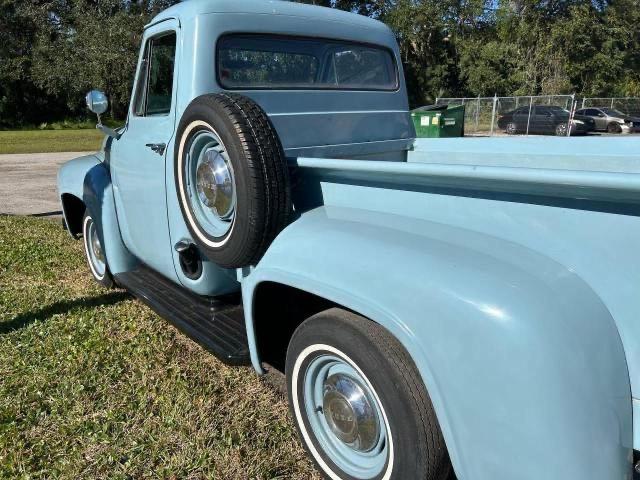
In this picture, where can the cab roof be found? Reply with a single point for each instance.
(193, 8)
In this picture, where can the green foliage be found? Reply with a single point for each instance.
(57, 50)
(53, 51)
(512, 47)
(541, 47)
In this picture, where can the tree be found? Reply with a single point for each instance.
(20, 100)
(69, 47)
(53, 51)
(84, 44)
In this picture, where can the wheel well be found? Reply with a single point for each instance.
(277, 311)
(73, 209)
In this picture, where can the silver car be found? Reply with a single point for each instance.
(611, 120)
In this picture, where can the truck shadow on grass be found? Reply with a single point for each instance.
(57, 308)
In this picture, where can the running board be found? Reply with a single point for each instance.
(215, 323)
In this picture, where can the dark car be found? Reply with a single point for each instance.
(545, 120)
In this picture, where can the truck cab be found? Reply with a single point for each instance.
(436, 309)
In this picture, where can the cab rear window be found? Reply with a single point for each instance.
(279, 62)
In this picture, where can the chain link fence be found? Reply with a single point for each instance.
(541, 115)
(628, 105)
(486, 116)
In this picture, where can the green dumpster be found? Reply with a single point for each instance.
(439, 121)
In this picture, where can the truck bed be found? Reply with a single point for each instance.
(593, 153)
(573, 201)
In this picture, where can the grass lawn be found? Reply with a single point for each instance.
(95, 385)
(43, 141)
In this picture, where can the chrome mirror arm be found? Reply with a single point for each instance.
(98, 103)
(106, 130)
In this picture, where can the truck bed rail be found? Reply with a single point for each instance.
(600, 186)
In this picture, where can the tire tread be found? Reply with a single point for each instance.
(432, 453)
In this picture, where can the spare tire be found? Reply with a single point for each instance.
(231, 178)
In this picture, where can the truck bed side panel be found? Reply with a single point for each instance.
(503, 335)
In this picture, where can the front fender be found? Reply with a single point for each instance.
(99, 199)
(88, 179)
(72, 173)
(522, 360)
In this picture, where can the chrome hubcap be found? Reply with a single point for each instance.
(346, 416)
(95, 245)
(93, 249)
(350, 413)
(214, 184)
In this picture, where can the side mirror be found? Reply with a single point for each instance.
(98, 103)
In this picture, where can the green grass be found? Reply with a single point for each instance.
(45, 141)
(95, 385)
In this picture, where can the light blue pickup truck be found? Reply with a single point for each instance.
(440, 308)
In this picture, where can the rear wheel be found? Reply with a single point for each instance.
(94, 252)
(561, 130)
(359, 403)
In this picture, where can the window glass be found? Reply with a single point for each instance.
(155, 85)
(277, 62)
(613, 113)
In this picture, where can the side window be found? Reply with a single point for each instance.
(154, 90)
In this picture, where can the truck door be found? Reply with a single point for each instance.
(138, 158)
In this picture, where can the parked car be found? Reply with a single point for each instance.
(545, 120)
(611, 120)
(432, 304)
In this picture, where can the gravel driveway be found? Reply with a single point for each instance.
(28, 183)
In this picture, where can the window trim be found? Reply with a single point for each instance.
(138, 89)
(396, 66)
(148, 51)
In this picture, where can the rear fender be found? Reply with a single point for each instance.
(521, 358)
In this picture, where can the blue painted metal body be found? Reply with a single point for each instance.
(511, 287)
(314, 123)
(88, 178)
(508, 268)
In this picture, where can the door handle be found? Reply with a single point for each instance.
(159, 148)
